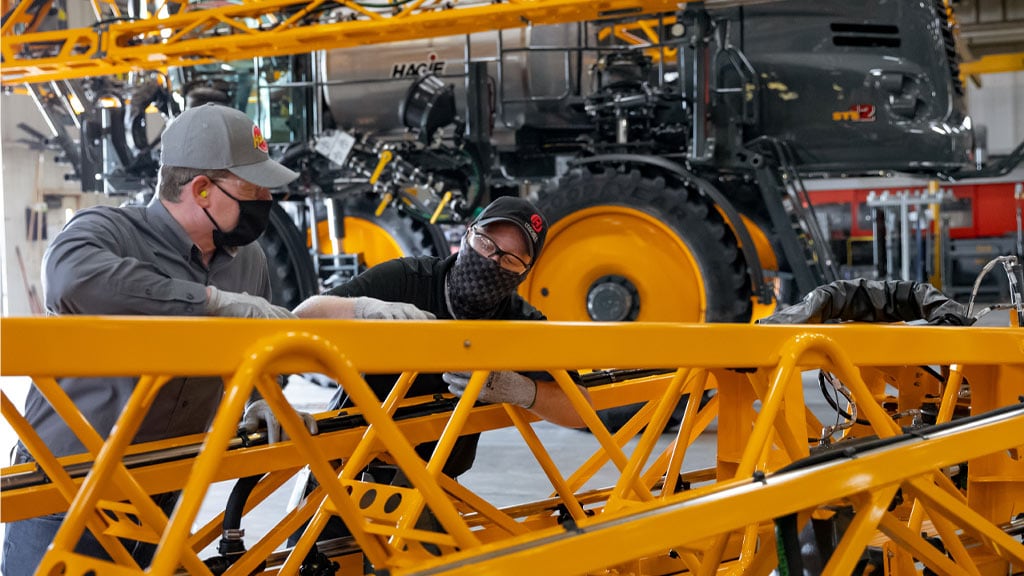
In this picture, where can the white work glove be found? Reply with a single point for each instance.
(367, 308)
(505, 386)
(242, 305)
(258, 414)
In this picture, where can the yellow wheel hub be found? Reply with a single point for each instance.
(374, 242)
(613, 262)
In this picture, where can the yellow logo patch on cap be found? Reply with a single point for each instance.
(258, 141)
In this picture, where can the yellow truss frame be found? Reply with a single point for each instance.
(644, 32)
(642, 523)
(993, 64)
(273, 28)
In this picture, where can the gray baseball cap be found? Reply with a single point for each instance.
(217, 137)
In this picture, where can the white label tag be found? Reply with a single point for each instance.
(335, 146)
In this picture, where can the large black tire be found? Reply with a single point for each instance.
(292, 276)
(698, 232)
(707, 242)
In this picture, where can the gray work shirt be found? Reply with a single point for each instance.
(136, 260)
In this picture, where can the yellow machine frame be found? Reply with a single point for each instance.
(255, 28)
(645, 524)
(259, 28)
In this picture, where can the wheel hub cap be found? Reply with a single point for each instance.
(613, 299)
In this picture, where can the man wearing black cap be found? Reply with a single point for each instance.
(189, 252)
(479, 283)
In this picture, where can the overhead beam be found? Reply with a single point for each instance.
(275, 28)
(993, 64)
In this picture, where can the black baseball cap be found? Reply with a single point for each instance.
(521, 213)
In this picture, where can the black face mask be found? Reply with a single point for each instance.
(253, 216)
(477, 285)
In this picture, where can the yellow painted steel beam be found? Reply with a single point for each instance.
(993, 64)
(91, 346)
(277, 27)
(168, 476)
(762, 425)
(24, 15)
(650, 528)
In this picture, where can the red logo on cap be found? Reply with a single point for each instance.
(258, 141)
(536, 222)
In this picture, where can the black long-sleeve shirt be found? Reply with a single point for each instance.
(420, 281)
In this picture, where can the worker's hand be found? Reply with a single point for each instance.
(367, 308)
(258, 415)
(505, 386)
(242, 305)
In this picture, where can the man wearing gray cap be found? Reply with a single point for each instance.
(189, 252)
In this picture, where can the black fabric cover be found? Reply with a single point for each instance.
(865, 300)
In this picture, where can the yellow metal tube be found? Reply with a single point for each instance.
(598, 459)
(363, 452)
(445, 444)
(592, 421)
(654, 527)
(941, 502)
(645, 446)
(547, 465)
(353, 465)
(870, 509)
(314, 505)
(953, 544)
(500, 519)
(684, 434)
(385, 158)
(108, 467)
(950, 394)
(440, 207)
(911, 541)
(196, 36)
(96, 522)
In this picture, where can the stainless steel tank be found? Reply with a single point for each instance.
(535, 71)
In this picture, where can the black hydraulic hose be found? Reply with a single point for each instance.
(787, 543)
(599, 377)
(833, 403)
(151, 93)
(119, 138)
(296, 152)
(232, 544)
(236, 501)
(33, 133)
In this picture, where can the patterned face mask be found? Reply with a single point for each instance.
(477, 285)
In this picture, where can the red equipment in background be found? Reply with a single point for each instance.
(976, 221)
